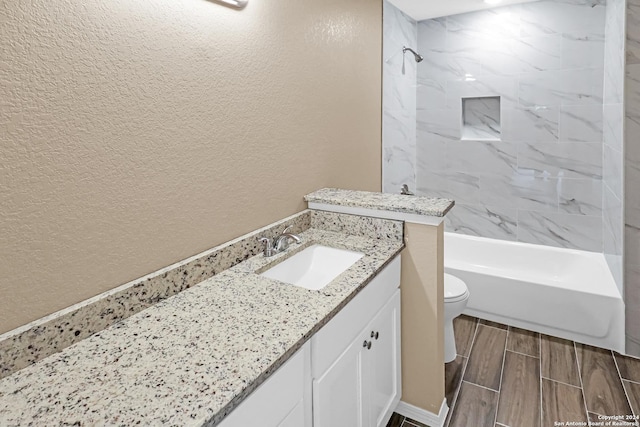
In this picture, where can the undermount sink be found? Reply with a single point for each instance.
(314, 267)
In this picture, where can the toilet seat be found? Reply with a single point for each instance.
(454, 289)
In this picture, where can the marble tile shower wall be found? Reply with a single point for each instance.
(632, 179)
(541, 180)
(399, 101)
(612, 124)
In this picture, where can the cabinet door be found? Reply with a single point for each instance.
(383, 374)
(338, 394)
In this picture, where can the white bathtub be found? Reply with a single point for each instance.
(561, 292)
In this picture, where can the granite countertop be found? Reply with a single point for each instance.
(190, 359)
(419, 205)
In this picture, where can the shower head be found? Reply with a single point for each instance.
(416, 55)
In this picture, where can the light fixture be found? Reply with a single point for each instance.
(492, 1)
(238, 4)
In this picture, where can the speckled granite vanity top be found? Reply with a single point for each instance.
(382, 201)
(190, 359)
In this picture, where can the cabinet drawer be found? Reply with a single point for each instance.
(330, 341)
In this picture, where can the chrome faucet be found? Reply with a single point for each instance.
(280, 243)
(405, 190)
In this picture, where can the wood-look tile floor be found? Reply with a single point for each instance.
(510, 377)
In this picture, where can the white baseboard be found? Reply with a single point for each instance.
(422, 415)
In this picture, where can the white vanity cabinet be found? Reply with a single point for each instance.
(348, 374)
(356, 358)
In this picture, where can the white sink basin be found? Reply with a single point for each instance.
(314, 267)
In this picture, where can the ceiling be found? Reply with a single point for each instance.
(427, 9)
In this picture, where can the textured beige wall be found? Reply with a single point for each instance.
(134, 134)
(422, 287)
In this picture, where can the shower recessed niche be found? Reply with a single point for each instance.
(481, 118)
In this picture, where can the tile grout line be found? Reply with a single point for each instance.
(504, 355)
(473, 340)
(624, 389)
(464, 371)
(561, 382)
(523, 354)
(481, 386)
(454, 399)
(540, 374)
(584, 399)
(494, 327)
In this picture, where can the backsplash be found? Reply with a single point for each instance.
(538, 179)
(373, 228)
(35, 341)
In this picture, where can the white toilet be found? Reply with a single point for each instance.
(456, 296)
